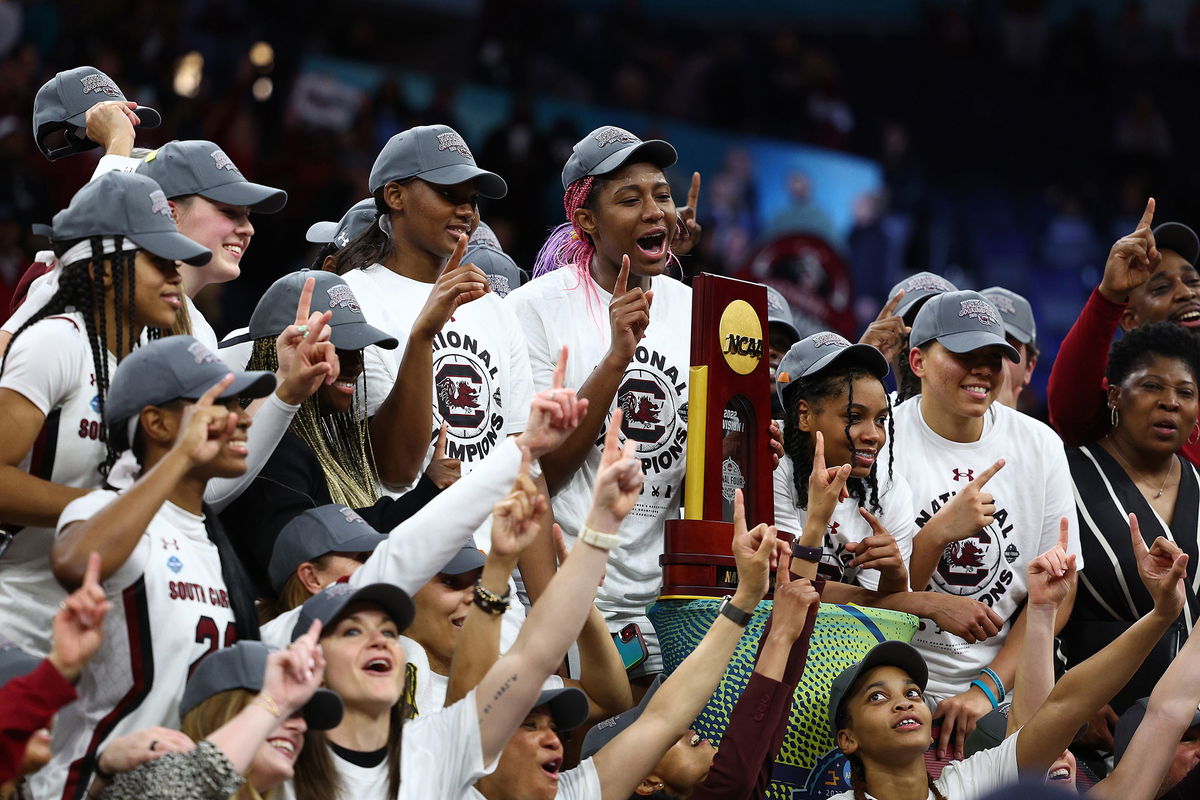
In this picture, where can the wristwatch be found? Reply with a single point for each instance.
(734, 614)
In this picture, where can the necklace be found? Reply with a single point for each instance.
(1170, 469)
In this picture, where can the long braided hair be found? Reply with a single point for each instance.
(341, 441)
(799, 445)
(81, 289)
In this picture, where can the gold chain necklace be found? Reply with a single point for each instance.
(1170, 469)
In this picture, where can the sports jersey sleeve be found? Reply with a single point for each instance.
(787, 515)
(521, 378)
(27, 704)
(114, 163)
(270, 423)
(421, 545)
(40, 368)
(1073, 393)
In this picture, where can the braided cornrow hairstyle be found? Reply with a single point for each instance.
(799, 445)
(341, 442)
(81, 289)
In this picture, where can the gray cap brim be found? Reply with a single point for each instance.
(149, 117)
(263, 199)
(791, 329)
(172, 245)
(358, 335)
(657, 152)
(245, 384)
(321, 232)
(911, 304)
(465, 560)
(863, 354)
(967, 341)
(885, 654)
(490, 184)
(568, 707)
(605, 731)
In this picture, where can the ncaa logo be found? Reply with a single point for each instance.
(642, 399)
(968, 564)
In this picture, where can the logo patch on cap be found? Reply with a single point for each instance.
(342, 239)
(351, 516)
(340, 296)
(775, 301)
(340, 589)
(1003, 303)
(99, 83)
(828, 339)
(606, 136)
(934, 283)
(980, 310)
(611, 722)
(454, 143)
(159, 204)
(222, 161)
(201, 354)
(499, 284)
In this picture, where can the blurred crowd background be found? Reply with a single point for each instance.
(843, 144)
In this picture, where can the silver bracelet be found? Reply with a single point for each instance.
(605, 541)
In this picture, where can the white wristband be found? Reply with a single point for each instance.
(605, 541)
(535, 469)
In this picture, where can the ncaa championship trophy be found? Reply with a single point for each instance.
(729, 411)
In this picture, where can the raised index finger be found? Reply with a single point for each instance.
(92, 576)
(874, 522)
(694, 192)
(1064, 529)
(819, 453)
(1147, 215)
(560, 371)
(218, 389)
(456, 257)
(1135, 536)
(988, 474)
(622, 284)
(890, 309)
(305, 303)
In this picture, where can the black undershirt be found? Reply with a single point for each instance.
(366, 760)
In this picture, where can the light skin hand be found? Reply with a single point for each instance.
(1132, 260)
(517, 518)
(1050, 575)
(306, 356)
(756, 552)
(294, 674)
(618, 481)
(792, 599)
(887, 332)
(110, 124)
(79, 624)
(972, 509)
(553, 415)
(1162, 568)
(134, 749)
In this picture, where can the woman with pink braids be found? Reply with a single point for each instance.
(614, 251)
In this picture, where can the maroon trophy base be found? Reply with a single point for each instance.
(698, 561)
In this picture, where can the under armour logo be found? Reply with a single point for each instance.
(170, 544)
(959, 474)
(342, 239)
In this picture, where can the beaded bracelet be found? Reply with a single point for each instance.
(489, 601)
(996, 680)
(987, 692)
(605, 541)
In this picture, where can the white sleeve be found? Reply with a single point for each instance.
(981, 773)
(899, 516)
(787, 515)
(38, 295)
(421, 545)
(520, 379)
(41, 368)
(270, 423)
(580, 783)
(1060, 499)
(86, 507)
(278, 632)
(380, 378)
(542, 362)
(114, 163)
(443, 751)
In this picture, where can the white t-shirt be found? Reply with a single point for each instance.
(482, 386)
(555, 311)
(972, 777)
(1032, 492)
(51, 365)
(421, 545)
(201, 330)
(847, 525)
(237, 355)
(580, 783)
(170, 608)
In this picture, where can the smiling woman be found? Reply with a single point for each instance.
(1153, 388)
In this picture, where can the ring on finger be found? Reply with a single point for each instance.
(154, 744)
(303, 331)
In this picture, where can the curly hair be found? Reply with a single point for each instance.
(799, 445)
(81, 289)
(1136, 348)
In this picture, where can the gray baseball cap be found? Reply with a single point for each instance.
(1015, 311)
(325, 529)
(568, 707)
(1129, 722)
(917, 289)
(348, 329)
(1180, 238)
(62, 105)
(243, 665)
(15, 662)
(328, 604)
(468, 558)
(961, 322)
(502, 272)
(779, 312)
(885, 654)
(484, 236)
(199, 167)
(173, 368)
(436, 154)
(129, 205)
(360, 217)
(605, 731)
(814, 353)
(605, 149)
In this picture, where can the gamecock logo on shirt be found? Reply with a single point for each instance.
(641, 400)
(458, 388)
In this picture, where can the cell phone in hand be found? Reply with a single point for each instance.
(631, 645)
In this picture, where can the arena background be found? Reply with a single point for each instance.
(843, 143)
